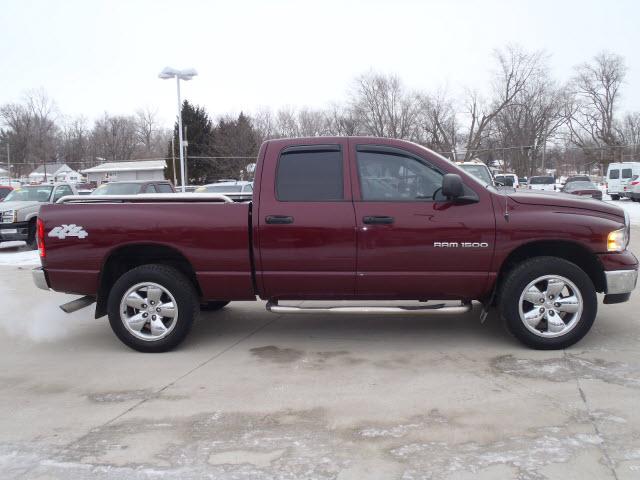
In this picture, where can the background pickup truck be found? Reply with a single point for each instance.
(341, 219)
(19, 210)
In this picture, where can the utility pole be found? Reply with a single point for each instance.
(9, 163)
(185, 171)
(173, 156)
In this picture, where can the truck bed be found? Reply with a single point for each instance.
(206, 230)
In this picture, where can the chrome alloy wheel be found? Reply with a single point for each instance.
(550, 306)
(148, 311)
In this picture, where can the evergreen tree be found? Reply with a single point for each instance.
(234, 138)
(199, 134)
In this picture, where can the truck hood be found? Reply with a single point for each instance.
(556, 199)
(17, 205)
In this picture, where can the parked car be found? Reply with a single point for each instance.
(477, 169)
(583, 188)
(4, 191)
(336, 218)
(237, 190)
(542, 183)
(576, 178)
(523, 181)
(19, 210)
(507, 180)
(635, 189)
(619, 178)
(134, 187)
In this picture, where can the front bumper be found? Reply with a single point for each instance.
(14, 231)
(40, 278)
(621, 281)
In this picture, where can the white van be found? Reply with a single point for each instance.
(619, 178)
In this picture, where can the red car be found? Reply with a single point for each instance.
(4, 191)
(341, 218)
(583, 189)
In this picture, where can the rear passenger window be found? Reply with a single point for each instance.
(151, 189)
(614, 174)
(626, 173)
(310, 176)
(164, 188)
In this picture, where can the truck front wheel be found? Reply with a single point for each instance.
(548, 303)
(152, 307)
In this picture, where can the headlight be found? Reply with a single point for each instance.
(9, 216)
(618, 240)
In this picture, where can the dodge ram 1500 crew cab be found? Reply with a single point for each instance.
(341, 219)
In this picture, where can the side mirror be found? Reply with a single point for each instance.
(452, 187)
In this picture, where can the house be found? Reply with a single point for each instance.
(54, 172)
(123, 171)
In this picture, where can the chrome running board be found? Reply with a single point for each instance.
(437, 309)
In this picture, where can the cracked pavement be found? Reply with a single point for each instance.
(252, 395)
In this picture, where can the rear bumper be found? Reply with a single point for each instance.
(40, 278)
(14, 231)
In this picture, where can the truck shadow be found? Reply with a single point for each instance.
(435, 330)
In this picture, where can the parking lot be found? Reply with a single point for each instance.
(255, 395)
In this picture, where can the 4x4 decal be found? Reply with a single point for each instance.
(72, 230)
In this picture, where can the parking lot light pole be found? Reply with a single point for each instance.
(186, 74)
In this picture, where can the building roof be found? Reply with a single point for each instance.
(52, 168)
(127, 166)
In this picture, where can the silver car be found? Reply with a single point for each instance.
(19, 210)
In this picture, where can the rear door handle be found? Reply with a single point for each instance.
(278, 219)
(377, 220)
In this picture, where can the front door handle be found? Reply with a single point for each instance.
(278, 219)
(377, 220)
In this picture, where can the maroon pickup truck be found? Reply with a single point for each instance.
(341, 219)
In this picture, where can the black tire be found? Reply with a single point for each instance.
(214, 306)
(528, 271)
(615, 197)
(32, 243)
(179, 286)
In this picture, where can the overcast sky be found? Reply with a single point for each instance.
(93, 56)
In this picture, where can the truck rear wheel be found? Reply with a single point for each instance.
(152, 307)
(548, 303)
(615, 197)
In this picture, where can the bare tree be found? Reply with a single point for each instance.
(515, 67)
(114, 138)
(437, 124)
(383, 106)
(591, 113)
(146, 125)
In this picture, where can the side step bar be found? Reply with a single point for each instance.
(438, 309)
(77, 304)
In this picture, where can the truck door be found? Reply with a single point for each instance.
(306, 225)
(410, 246)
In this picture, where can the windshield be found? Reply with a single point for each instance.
(541, 181)
(579, 185)
(36, 193)
(223, 188)
(479, 171)
(117, 189)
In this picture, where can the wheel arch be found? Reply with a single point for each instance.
(126, 257)
(571, 251)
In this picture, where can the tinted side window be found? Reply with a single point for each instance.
(626, 173)
(614, 174)
(308, 176)
(164, 188)
(393, 177)
(61, 191)
(151, 189)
